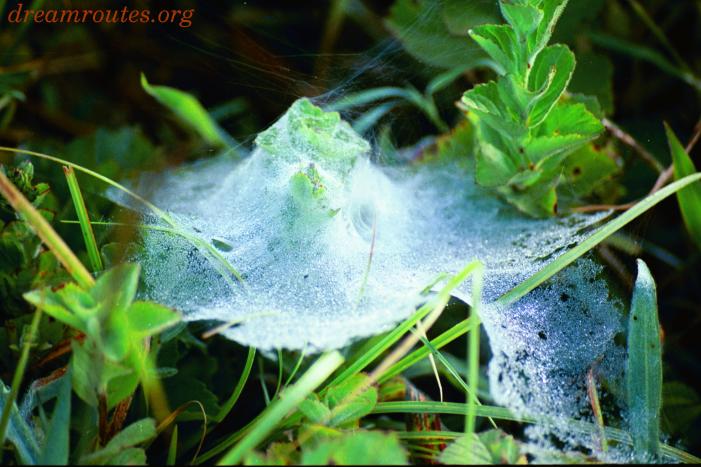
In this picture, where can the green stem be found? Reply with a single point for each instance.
(84, 219)
(19, 374)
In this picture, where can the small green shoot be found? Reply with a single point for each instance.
(188, 110)
(644, 368)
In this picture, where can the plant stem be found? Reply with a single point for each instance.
(19, 374)
(84, 219)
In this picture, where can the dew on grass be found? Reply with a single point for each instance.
(333, 248)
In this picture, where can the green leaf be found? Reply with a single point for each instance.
(500, 42)
(315, 410)
(84, 379)
(690, 197)
(434, 32)
(133, 435)
(503, 448)
(289, 399)
(548, 79)
(347, 403)
(552, 9)
(644, 368)
(116, 287)
(357, 448)
(467, 449)
(147, 319)
(524, 19)
(56, 445)
(307, 130)
(188, 109)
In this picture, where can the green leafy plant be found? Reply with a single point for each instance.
(110, 361)
(526, 128)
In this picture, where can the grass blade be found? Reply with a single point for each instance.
(689, 198)
(644, 368)
(277, 410)
(439, 342)
(594, 239)
(473, 355)
(501, 413)
(83, 219)
(226, 408)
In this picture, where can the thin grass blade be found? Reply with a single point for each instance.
(83, 219)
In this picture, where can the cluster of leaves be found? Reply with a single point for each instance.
(525, 129)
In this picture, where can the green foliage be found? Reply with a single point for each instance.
(357, 448)
(644, 368)
(188, 110)
(342, 405)
(111, 360)
(19, 433)
(122, 450)
(434, 32)
(22, 176)
(24, 263)
(321, 136)
(489, 447)
(689, 198)
(525, 130)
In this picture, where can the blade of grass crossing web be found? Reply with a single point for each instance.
(83, 219)
(644, 368)
(392, 337)
(419, 354)
(288, 401)
(473, 353)
(594, 239)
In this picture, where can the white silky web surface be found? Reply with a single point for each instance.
(307, 279)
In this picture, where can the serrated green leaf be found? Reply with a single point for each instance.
(644, 368)
(524, 19)
(357, 448)
(348, 403)
(465, 450)
(548, 79)
(188, 109)
(315, 410)
(689, 198)
(552, 9)
(500, 43)
(133, 435)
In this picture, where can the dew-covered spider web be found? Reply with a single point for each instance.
(331, 247)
